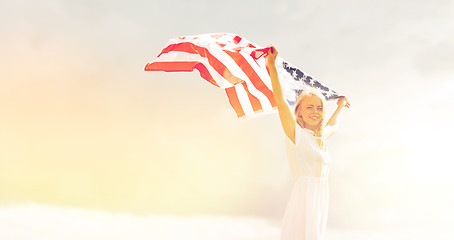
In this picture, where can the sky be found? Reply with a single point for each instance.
(84, 126)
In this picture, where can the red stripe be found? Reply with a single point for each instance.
(256, 106)
(203, 52)
(221, 44)
(238, 49)
(252, 75)
(258, 53)
(237, 39)
(181, 67)
(171, 66)
(204, 73)
(234, 101)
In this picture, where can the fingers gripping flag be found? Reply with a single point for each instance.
(231, 62)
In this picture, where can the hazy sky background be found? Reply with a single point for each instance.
(82, 125)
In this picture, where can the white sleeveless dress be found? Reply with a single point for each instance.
(307, 209)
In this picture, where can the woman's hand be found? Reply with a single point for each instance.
(343, 102)
(271, 55)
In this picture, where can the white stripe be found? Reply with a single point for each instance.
(223, 57)
(266, 105)
(260, 70)
(233, 66)
(244, 43)
(209, 43)
(176, 56)
(224, 39)
(244, 99)
(266, 80)
(238, 72)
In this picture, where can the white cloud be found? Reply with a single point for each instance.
(36, 222)
(31, 221)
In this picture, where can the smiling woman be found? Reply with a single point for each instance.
(82, 125)
(306, 215)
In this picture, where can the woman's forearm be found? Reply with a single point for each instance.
(334, 120)
(285, 115)
(277, 89)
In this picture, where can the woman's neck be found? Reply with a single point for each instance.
(310, 127)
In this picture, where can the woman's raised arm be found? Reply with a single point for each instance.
(333, 122)
(285, 115)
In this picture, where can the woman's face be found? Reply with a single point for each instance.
(311, 110)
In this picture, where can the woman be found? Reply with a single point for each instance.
(306, 214)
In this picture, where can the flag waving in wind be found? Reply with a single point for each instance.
(231, 62)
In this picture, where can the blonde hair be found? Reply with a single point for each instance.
(318, 133)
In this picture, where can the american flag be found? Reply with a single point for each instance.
(231, 62)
